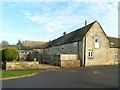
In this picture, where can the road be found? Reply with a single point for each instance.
(83, 77)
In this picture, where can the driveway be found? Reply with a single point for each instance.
(83, 77)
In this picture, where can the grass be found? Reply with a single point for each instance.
(7, 74)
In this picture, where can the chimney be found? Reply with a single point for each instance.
(64, 33)
(85, 22)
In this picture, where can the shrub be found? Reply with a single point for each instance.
(9, 54)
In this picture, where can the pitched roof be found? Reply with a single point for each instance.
(41, 46)
(33, 44)
(114, 42)
(76, 35)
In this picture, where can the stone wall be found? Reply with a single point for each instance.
(70, 60)
(104, 55)
(20, 65)
(70, 63)
(62, 60)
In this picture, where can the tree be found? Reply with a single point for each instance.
(10, 54)
(19, 42)
(4, 42)
(36, 53)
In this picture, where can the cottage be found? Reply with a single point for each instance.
(22, 50)
(89, 42)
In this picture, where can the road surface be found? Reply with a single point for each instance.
(83, 77)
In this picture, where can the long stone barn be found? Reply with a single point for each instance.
(90, 43)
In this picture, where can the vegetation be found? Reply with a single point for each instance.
(4, 42)
(7, 74)
(9, 54)
(36, 53)
(19, 43)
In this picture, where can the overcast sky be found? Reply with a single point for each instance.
(44, 21)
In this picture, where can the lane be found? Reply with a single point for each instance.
(88, 77)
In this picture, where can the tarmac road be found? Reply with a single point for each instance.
(82, 77)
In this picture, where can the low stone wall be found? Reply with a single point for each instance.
(63, 60)
(20, 65)
(70, 63)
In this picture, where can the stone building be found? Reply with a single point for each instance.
(89, 42)
(35, 45)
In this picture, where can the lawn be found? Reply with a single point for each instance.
(7, 74)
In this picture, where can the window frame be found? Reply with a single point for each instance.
(96, 42)
(90, 54)
(116, 56)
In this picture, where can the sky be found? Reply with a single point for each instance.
(44, 21)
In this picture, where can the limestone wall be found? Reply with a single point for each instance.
(104, 55)
(70, 63)
(63, 60)
(20, 65)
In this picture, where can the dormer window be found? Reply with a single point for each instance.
(96, 41)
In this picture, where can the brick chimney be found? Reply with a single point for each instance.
(64, 33)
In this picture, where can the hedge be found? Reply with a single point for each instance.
(9, 54)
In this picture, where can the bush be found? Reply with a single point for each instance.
(9, 54)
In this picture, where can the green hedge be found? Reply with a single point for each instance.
(9, 54)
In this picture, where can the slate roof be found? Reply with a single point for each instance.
(76, 35)
(114, 42)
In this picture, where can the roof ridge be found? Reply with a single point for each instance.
(75, 30)
(84, 26)
(73, 36)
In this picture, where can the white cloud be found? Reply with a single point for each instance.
(105, 12)
(57, 20)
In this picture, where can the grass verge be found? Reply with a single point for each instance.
(8, 74)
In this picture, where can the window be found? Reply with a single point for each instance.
(96, 40)
(116, 56)
(90, 54)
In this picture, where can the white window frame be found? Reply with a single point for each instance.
(96, 41)
(116, 56)
(90, 54)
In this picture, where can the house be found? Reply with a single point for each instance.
(35, 45)
(23, 50)
(89, 42)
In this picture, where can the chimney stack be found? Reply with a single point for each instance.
(64, 33)
(85, 22)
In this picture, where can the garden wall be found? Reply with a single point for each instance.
(63, 60)
(70, 60)
(20, 65)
